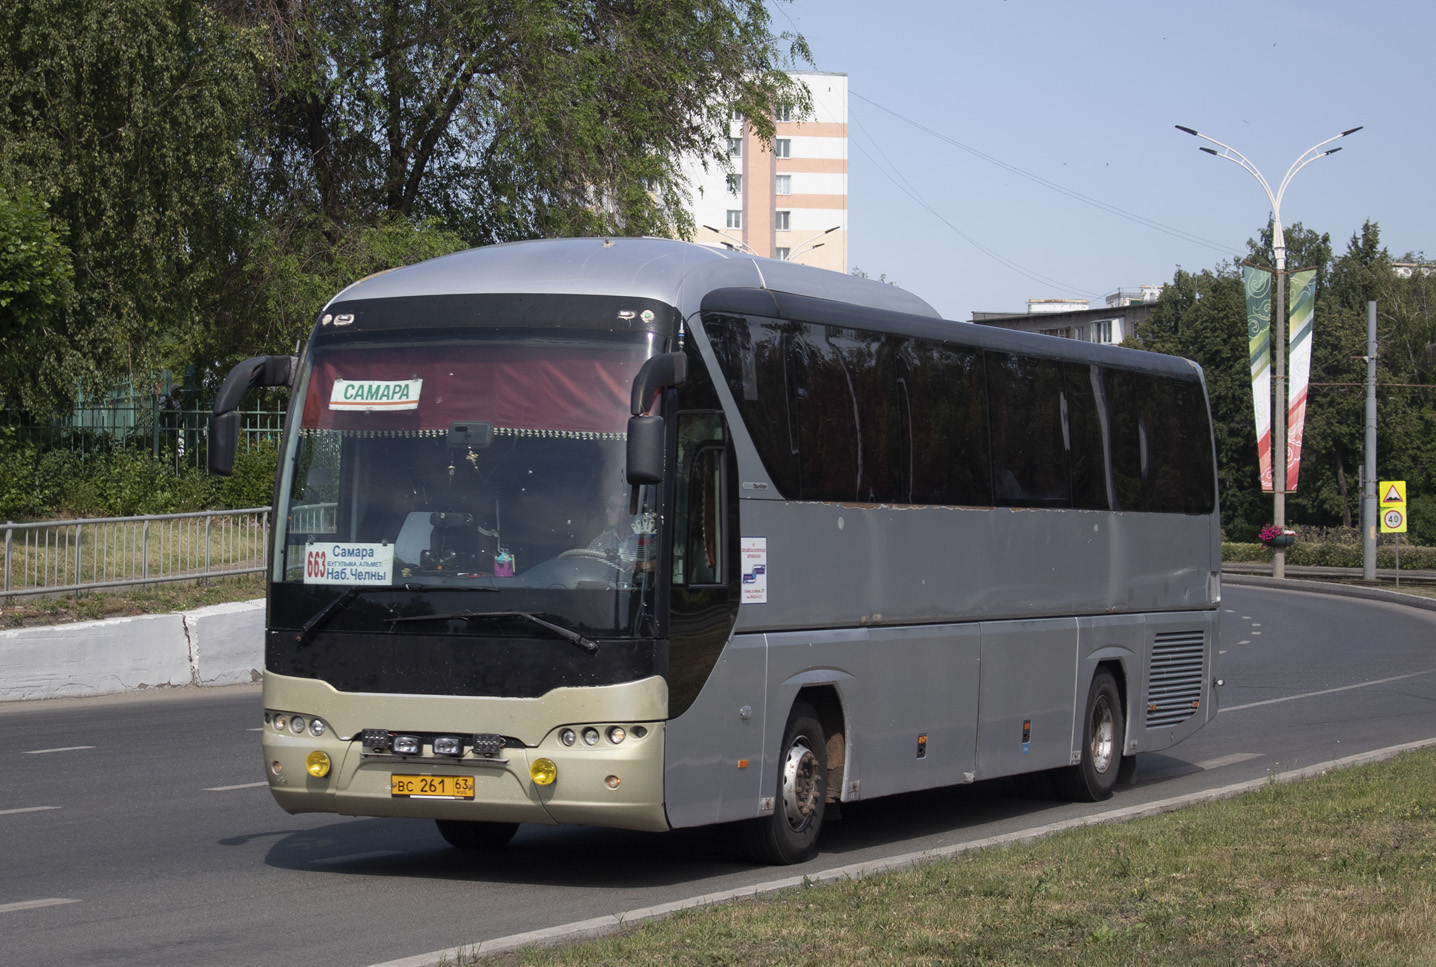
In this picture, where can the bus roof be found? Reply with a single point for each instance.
(676, 273)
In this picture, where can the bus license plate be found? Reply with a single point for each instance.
(434, 787)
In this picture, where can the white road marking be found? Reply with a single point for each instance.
(1228, 760)
(242, 785)
(26, 809)
(1327, 691)
(68, 748)
(34, 904)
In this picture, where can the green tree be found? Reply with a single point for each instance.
(126, 117)
(36, 289)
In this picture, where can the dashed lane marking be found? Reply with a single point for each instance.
(34, 904)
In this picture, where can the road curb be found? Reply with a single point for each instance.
(1325, 587)
(605, 926)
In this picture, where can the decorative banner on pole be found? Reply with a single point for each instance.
(1301, 299)
(1258, 289)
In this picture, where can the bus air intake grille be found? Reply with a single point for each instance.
(1174, 680)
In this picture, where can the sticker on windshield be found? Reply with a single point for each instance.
(331, 563)
(375, 394)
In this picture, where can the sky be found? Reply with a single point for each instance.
(1007, 150)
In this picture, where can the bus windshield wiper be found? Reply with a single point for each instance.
(326, 612)
(587, 644)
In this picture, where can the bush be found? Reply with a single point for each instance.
(123, 482)
(1333, 547)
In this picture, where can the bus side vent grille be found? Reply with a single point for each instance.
(1174, 680)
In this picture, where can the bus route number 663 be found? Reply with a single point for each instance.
(315, 564)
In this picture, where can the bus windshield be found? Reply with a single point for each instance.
(488, 461)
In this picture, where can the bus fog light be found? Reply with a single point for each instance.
(277, 767)
(448, 745)
(317, 763)
(590, 736)
(316, 727)
(612, 782)
(543, 772)
(616, 735)
(406, 745)
(568, 737)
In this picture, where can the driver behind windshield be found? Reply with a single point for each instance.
(626, 538)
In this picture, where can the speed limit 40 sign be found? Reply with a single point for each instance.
(1393, 506)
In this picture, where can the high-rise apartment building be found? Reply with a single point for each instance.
(789, 201)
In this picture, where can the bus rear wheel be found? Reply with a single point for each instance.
(473, 835)
(1103, 733)
(790, 833)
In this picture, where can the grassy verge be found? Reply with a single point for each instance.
(22, 612)
(1335, 870)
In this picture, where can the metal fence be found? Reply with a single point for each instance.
(50, 557)
(174, 432)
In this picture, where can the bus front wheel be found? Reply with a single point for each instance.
(790, 833)
(1103, 733)
(474, 835)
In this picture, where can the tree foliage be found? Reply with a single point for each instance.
(219, 168)
(125, 118)
(1203, 316)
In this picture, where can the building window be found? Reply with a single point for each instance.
(735, 218)
(783, 253)
(1102, 331)
(735, 184)
(735, 147)
(785, 184)
(783, 147)
(784, 113)
(782, 221)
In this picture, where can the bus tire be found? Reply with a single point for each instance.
(790, 833)
(474, 835)
(1103, 732)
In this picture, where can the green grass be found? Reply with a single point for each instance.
(28, 611)
(1339, 869)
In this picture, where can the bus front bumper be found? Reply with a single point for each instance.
(606, 783)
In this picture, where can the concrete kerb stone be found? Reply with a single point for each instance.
(605, 926)
(1326, 587)
(218, 645)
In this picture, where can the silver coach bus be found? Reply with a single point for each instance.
(638, 533)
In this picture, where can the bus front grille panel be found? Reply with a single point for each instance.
(1174, 678)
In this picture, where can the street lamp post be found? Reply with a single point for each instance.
(1279, 310)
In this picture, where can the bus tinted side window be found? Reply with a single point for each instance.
(1029, 451)
(1161, 443)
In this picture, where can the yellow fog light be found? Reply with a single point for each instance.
(543, 772)
(318, 764)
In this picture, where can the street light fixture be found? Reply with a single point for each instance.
(742, 245)
(803, 247)
(1279, 310)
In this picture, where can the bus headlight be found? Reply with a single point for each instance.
(543, 772)
(317, 763)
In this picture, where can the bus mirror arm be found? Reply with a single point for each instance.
(224, 419)
(645, 430)
(658, 372)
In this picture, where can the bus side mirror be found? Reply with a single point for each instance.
(645, 430)
(224, 419)
(645, 450)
